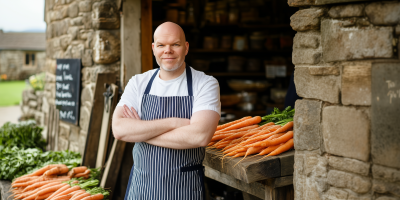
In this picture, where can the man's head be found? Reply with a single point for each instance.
(170, 46)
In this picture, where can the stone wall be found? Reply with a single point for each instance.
(89, 30)
(334, 51)
(12, 63)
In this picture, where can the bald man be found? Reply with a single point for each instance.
(171, 114)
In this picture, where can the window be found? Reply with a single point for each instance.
(30, 59)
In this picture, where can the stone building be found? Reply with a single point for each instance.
(21, 54)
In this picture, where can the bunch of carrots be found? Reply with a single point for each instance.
(246, 137)
(57, 182)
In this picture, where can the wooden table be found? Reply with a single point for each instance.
(270, 178)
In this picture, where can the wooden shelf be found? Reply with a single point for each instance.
(235, 51)
(230, 74)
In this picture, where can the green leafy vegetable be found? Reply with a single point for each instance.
(15, 162)
(24, 135)
(279, 117)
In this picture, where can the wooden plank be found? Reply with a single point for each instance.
(281, 193)
(249, 170)
(50, 128)
(287, 163)
(92, 140)
(255, 188)
(279, 181)
(56, 124)
(146, 35)
(113, 166)
(131, 52)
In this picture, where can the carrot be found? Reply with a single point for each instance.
(25, 179)
(250, 151)
(82, 174)
(211, 143)
(223, 136)
(284, 138)
(77, 193)
(269, 149)
(247, 122)
(260, 143)
(64, 197)
(60, 190)
(236, 130)
(231, 123)
(43, 196)
(81, 196)
(40, 184)
(51, 189)
(94, 197)
(80, 169)
(44, 169)
(239, 154)
(267, 130)
(285, 147)
(57, 170)
(67, 191)
(263, 137)
(234, 136)
(43, 178)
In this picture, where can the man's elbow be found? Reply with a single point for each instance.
(116, 131)
(205, 140)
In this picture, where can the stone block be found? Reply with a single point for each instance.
(56, 15)
(82, 141)
(75, 50)
(359, 197)
(324, 70)
(356, 84)
(85, 34)
(385, 173)
(307, 126)
(87, 59)
(105, 15)
(307, 40)
(326, 88)
(342, 126)
(73, 146)
(65, 41)
(386, 187)
(384, 12)
(73, 10)
(32, 103)
(297, 3)
(336, 194)
(107, 47)
(87, 20)
(349, 10)
(340, 43)
(49, 31)
(349, 165)
(354, 182)
(84, 118)
(363, 22)
(64, 12)
(385, 107)
(88, 93)
(307, 19)
(85, 6)
(73, 32)
(5, 190)
(77, 21)
(387, 198)
(62, 144)
(64, 131)
(306, 56)
(74, 134)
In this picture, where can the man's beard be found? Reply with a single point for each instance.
(177, 65)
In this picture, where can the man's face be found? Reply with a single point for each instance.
(170, 50)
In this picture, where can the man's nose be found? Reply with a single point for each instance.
(168, 49)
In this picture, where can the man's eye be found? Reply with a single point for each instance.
(160, 45)
(176, 44)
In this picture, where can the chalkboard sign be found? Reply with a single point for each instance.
(68, 88)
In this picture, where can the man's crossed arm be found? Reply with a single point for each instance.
(175, 133)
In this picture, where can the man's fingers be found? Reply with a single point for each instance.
(128, 112)
(135, 113)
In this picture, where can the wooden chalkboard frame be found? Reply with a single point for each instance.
(75, 67)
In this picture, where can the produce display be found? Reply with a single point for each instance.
(269, 135)
(58, 182)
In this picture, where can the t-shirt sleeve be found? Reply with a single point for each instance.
(208, 96)
(130, 95)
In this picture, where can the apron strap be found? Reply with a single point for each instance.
(189, 81)
(200, 169)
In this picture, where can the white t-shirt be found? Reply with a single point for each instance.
(205, 90)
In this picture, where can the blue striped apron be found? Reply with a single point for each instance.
(163, 173)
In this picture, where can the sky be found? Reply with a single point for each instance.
(22, 15)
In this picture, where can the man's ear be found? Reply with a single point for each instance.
(187, 47)
(152, 47)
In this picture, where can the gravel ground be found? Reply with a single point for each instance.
(9, 114)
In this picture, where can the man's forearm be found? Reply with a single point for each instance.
(133, 130)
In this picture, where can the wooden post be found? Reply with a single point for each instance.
(147, 35)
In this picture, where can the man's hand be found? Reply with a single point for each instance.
(130, 113)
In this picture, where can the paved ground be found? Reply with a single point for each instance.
(9, 114)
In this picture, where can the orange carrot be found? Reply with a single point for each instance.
(250, 151)
(51, 189)
(43, 178)
(284, 138)
(59, 191)
(43, 196)
(260, 143)
(283, 148)
(247, 122)
(57, 170)
(82, 174)
(67, 191)
(40, 184)
(81, 196)
(44, 169)
(263, 137)
(246, 128)
(211, 143)
(239, 154)
(269, 149)
(77, 193)
(231, 123)
(25, 179)
(94, 197)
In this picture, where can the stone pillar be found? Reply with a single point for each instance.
(88, 30)
(345, 146)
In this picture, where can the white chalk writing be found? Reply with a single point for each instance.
(67, 115)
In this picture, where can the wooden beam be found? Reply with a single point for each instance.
(147, 35)
(131, 51)
(255, 188)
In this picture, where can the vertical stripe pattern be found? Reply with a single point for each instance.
(157, 173)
